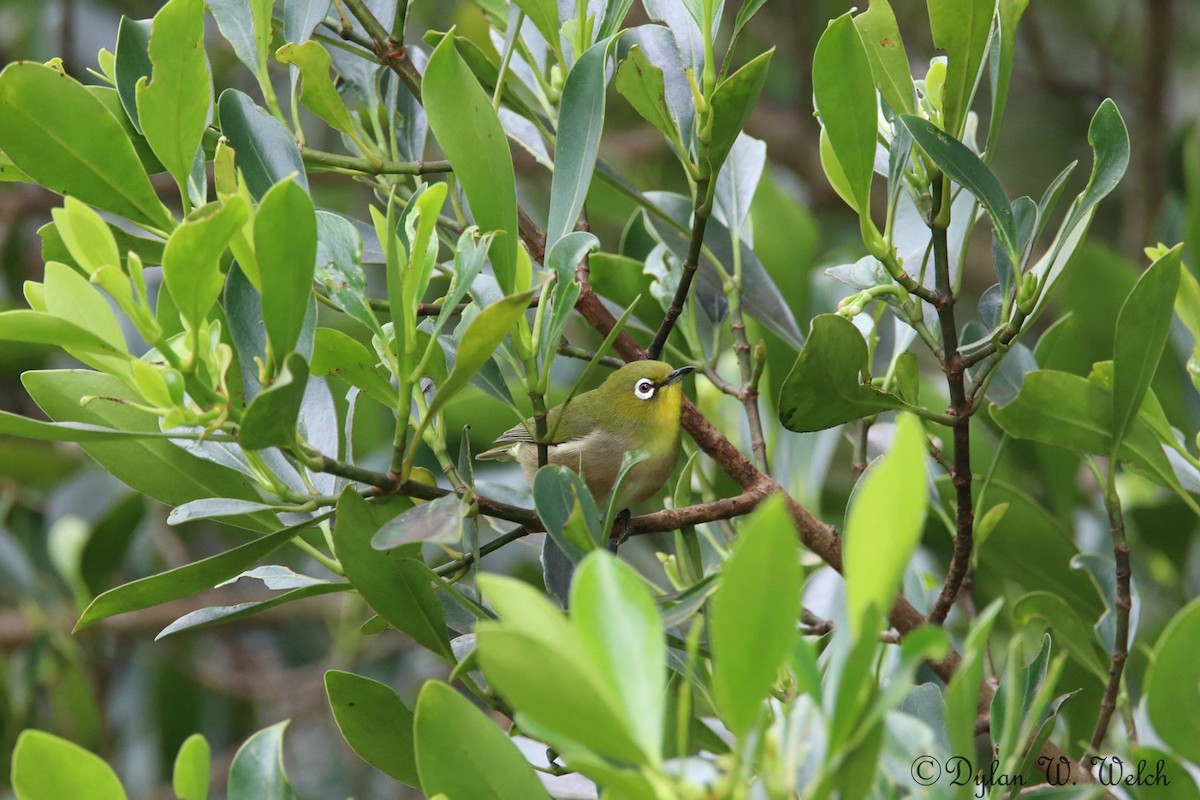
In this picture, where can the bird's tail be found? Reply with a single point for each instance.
(501, 453)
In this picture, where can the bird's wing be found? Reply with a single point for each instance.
(522, 433)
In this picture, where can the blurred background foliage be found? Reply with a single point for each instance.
(68, 530)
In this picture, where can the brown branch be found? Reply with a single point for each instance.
(960, 408)
(691, 263)
(390, 52)
(1123, 604)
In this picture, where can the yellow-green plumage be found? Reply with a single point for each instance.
(636, 408)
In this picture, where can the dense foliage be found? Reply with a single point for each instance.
(303, 381)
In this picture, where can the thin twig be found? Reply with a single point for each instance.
(691, 263)
(1123, 604)
(320, 161)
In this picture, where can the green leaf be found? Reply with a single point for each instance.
(438, 521)
(580, 123)
(615, 615)
(189, 579)
(962, 694)
(885, 50)
(462, 754)
(212, 616)
(642, 85)
(174, 107)
(1172, 688)
(568, 511)
(285, 241)
(45, 767)
(374, 722)
(132, 63)
(70, 296)
(1071, 632)
(339, 268)
(962, 28)
(567, 702)
(844, 94)
(192, 258)
(475, 348)
(956, 160)
(1187, 306)
(192, 763)
(1015, 696)
(732, 102)
(264, 150)
(830, 383)
(26, 428)
(317, 91)
(257, 771)
(1004, 45)
(1142, 328)
(270, 419)
(154, 467)
(1065, 410)
(1110, 147)
(884, 527)
(85, 234)
(745, 13)
(753, 614)
(56, 132)
(35, 327)
(335, 353)
(399, 589)
(469, 132)
(246, 25)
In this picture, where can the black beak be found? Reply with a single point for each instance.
(677, 374)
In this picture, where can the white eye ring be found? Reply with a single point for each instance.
(643, 389)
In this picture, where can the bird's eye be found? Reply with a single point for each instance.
(643, 389)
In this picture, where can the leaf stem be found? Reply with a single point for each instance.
(321, 161)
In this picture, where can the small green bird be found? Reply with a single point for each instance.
(636, 408)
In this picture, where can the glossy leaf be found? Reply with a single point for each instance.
(189, 778)
(132, 63)
(35, 327)
(642, 85)
(335, 353)
(246, 25)
(257, 771)
(399, 589)
(1065, 410)
(568, 510)
(438, 521)
(961, 28)
(317, 91)
(46, 767)
(1142, 328)
(1000, 57)
(301, 17)
(1110, 147)
(613, 611)
(753, 614)
(884, 527)
(70, 296)
(962, 694)
(374, 722)
(964, 167)
(580, 123)
(192, 258)
(1173, 684)
(483, 335)
(568, 701)
(285, 242)
(155, 467)
(26, 428)
(732, 102)
(469, 132)
(56, 132)
(461, 753)
(544, 16)
(212, 616)
(829, 383)
(85, 234)
(270, 419)
(186, 580)
(885, 50)
(264, 150)
(1070, 631)
(844, 94)
(1015, 697)
(174, 107)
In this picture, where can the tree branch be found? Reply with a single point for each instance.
(320, 161)
(701, 213)
(960, 408)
